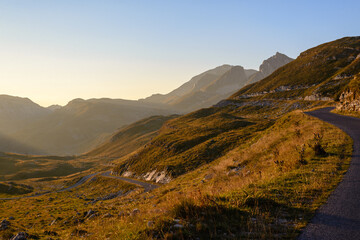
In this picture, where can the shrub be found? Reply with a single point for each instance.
(301, 152)
(318, 145)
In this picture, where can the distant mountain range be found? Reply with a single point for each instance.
(72, 129)
(208, 88)
(27, 128)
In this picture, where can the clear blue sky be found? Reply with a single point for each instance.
(55, 50)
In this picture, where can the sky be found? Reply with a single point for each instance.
(58, 50)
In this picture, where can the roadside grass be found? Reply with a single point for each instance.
(274, 201)
(347, 113)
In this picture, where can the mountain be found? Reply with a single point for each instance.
(194, 84)
(82, 124)
(211, 93)
(320, 73)
(16, 112)
(208, 88)
(269, 66)
(54, 107)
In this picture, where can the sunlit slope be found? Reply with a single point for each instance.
(198, 138)
(320, 73)
(316, 77)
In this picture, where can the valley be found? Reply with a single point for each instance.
(249, 158)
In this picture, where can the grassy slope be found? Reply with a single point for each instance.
(261, 200)
(65, 210)
(244, 193)
(317, 66)
(130, 138)
(190, 141)
(187, 142)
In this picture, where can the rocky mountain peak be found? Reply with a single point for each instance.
(271, 64)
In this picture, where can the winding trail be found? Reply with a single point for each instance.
(339, 218)
(147, 186)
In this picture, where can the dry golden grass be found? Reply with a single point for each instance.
(303, 188)
(212, 200)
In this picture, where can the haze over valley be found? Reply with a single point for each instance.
(79, 126)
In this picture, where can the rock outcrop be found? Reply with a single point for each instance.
(349, 101)
(269, 66)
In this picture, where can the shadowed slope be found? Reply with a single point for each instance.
(130, 138)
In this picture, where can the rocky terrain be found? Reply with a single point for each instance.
(269, 66)
(349, 100)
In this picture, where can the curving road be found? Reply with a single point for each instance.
(339, 218)
(147, 186)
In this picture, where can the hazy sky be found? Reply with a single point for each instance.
(55, 50)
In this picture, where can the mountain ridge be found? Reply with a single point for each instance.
(81, 124)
